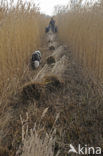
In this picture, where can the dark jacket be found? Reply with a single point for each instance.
(52, 22)
(35, 57)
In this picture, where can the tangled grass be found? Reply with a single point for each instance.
(33, 142)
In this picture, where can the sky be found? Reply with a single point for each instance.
(47, 6)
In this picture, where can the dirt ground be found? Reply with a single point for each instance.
(71, 94)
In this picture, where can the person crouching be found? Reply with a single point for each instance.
(35, 60)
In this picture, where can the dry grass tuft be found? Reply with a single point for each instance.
(33, 90)
(51, 48)
(33, 143)
(50, 60)
(37, 90)
(52, 82)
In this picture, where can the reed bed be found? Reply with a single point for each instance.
(20, 34)
(81, 27)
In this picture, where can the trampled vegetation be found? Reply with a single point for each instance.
(61, 104)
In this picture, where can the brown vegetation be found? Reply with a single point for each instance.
(4, 152)
(52, 81)
(81, 28)
(50, 60)
(64, 112)
(20, 34)
(52, 48)
(39, 90)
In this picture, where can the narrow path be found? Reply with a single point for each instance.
(60, 56)
(77, 101)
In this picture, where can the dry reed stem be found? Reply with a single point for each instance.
(33, 144)
(81, 28)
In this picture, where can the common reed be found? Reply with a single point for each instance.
(21, 32)
(81, 27)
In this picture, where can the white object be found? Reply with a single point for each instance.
(36, 64)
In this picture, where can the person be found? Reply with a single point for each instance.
(36, 56)
(35, 60)
(52, 24)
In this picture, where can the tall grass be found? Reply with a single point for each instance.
(81, 27)
(36, 141)
(20, 35)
